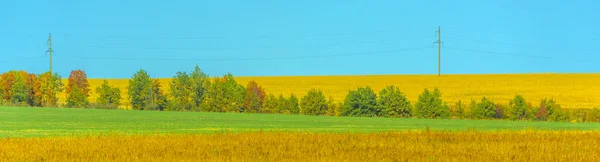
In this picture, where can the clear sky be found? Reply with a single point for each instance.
(115, 38)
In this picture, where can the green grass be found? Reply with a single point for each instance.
(40, 122)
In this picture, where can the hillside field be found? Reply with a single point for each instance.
(569, 90)
(43, 122)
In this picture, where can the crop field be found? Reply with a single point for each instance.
(27, 134)
(280, 146)
(569, 90)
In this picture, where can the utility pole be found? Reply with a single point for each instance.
(439, 50)
(50, 50)
(439, 44)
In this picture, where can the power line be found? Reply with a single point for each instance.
(258, 47)
(244, 59)
(22, 59)
(516, 55)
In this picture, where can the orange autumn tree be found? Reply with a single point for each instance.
(255, 96)
(46, 89)
(78, 89)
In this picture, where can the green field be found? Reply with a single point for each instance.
(40, 122)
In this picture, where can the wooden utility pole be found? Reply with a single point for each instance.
(439, 33)
(50, 50)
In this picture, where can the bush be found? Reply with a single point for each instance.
(313, 103)
(361, 102)
(393, 103)
(430, 105)
(518, 108)
(485, 109)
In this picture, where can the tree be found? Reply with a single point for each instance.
(485, 109)
(554, 111)
(431, 105)
(47, 87)
(199, 84)
(181, 93)
(361, 102)
(282, 105)
(313, 103)
(77, 98)
(224, 95)
(332, 108)
(77, 82)
(254, 98)
(18, 91)
(159, 98)
(108, 95)
(458, 110)
(294, 105)
(7, 79)
(518, 108)
(269, 104)
(393, 103)
(140, 90)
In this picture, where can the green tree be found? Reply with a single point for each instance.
(518, 108)
(431, 105)
(313, 103)
(18, 90)
(361, 102)
(181, 93)
(294, 104)
(485, 109)
(108, 95)
(159, 98)
(140, 90)
(199, 84)
(282, 106)
(77, 98)
(554, 111)
(269, 104)
(333, 109)
(224, 95)
(47, 87)
(78, 82)
(458, 111)
(254, 99)
(394, 103)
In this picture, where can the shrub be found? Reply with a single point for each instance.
(393, 103)
(361, 102)
(430, 105)
(313, 103)
(485, 109)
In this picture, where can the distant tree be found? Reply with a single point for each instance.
(6, 80)
(361, 102)
(46, 89)
(393, 103)
(431, 105)
(77, 98)
(485, 109)
(200, 82)
(254, 97)
(555, 112)
(159, 98)
(282, 106)
(313, 103)
(181, 93)
(333, 109)
(224, 95)
(77, 80)
(518, 108)
(31, 88)
(108, 95)
(18, 90)
(458, 111)
(140, 90)
(294, 104)
(269, 104)
(500, 111)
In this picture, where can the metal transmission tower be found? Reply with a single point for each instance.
(439, 44)
(50, 50)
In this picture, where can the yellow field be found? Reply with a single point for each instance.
(570, 90)
(398, 146)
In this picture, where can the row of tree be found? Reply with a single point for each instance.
(196, 91)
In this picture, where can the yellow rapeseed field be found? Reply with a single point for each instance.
(569, 90)
(273, 146)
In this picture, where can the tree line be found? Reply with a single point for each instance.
(196, 91)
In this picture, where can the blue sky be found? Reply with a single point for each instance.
(113, 39)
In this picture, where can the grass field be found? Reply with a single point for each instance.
(42, 122)
(569, 90)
